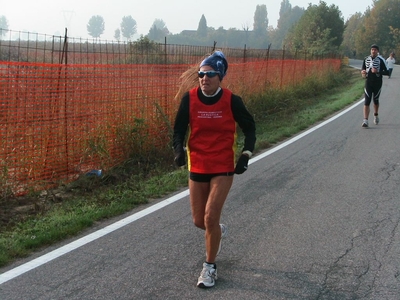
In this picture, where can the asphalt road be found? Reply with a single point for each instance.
(316, 217)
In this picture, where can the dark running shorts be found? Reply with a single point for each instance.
(207, 177)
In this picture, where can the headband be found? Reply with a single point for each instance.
(218, 62)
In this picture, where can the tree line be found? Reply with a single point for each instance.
(319, 29)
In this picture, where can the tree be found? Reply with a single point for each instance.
(376, 27)
(219, 35)
(202, 28)
(128, 27)
(286, 7)
(260, 25)
(3, 25)
(246, 34)
(96, 26)
(395, 33)
(352, 28)
(237, 38)
(158, 30)
(288, 16)
(117, 34)
(144, 45)
(319, 30)
(259, 35)
(155, 34)
(160, 25)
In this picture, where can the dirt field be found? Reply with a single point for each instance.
(16, 209)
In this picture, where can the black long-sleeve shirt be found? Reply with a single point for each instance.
(240, 113)
(377, 62)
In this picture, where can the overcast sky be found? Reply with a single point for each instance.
(53, 16)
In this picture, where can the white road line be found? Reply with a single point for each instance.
(13, 273)
(297, 137)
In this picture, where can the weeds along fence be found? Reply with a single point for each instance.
(68, 105)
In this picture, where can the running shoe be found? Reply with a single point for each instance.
(207, 276)
(365, 124)
(376, 120)
(224, 233)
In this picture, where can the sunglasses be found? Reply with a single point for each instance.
(210, 74)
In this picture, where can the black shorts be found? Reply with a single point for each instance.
(207, 177)
(372, 91)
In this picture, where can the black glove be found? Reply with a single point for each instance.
(242, 164)
(180, 159)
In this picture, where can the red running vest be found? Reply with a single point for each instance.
(211, 145)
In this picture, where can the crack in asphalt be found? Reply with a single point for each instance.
(356, 271)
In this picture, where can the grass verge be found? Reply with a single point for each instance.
(278, 114)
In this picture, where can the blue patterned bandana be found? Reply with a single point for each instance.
(218, 62)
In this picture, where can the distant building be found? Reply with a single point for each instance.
(189, 33)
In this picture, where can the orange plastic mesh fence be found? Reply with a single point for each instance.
(58, 121)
